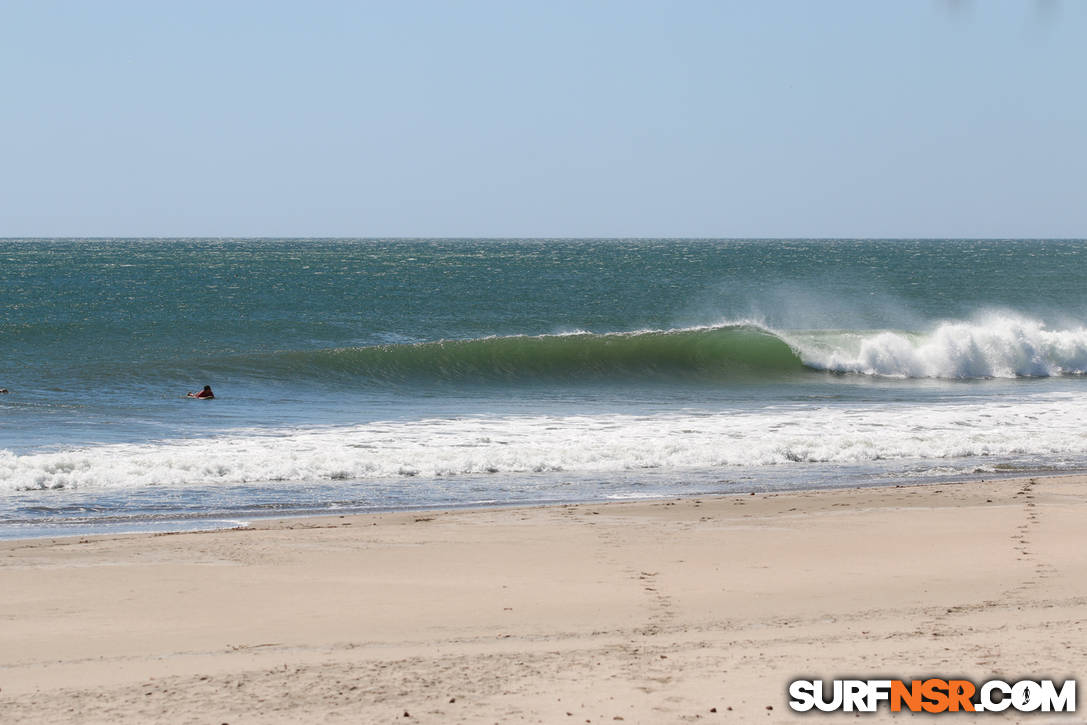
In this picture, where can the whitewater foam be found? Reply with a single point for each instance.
(995, 346)
(604, 444)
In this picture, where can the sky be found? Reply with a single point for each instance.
(586, 118)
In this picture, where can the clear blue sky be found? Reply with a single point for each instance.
(925, 118)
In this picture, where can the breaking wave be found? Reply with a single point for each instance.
(998, 346)
(701, 352)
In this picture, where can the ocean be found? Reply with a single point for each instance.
(375, 375)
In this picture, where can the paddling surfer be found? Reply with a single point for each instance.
(204, 394)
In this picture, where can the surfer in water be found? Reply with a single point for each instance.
(204, 394)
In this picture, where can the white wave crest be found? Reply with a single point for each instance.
(998, 346)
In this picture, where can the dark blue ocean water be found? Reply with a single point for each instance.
(369, 374)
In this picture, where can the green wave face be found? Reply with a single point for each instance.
(701, 353)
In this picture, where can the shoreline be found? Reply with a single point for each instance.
(246, 520)
(648, 611)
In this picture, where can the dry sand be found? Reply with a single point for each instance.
(650, 612)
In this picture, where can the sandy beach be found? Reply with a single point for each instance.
(651, 612)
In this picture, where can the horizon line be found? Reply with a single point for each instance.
(533, 238)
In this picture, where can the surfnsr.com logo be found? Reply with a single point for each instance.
(932, 695)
